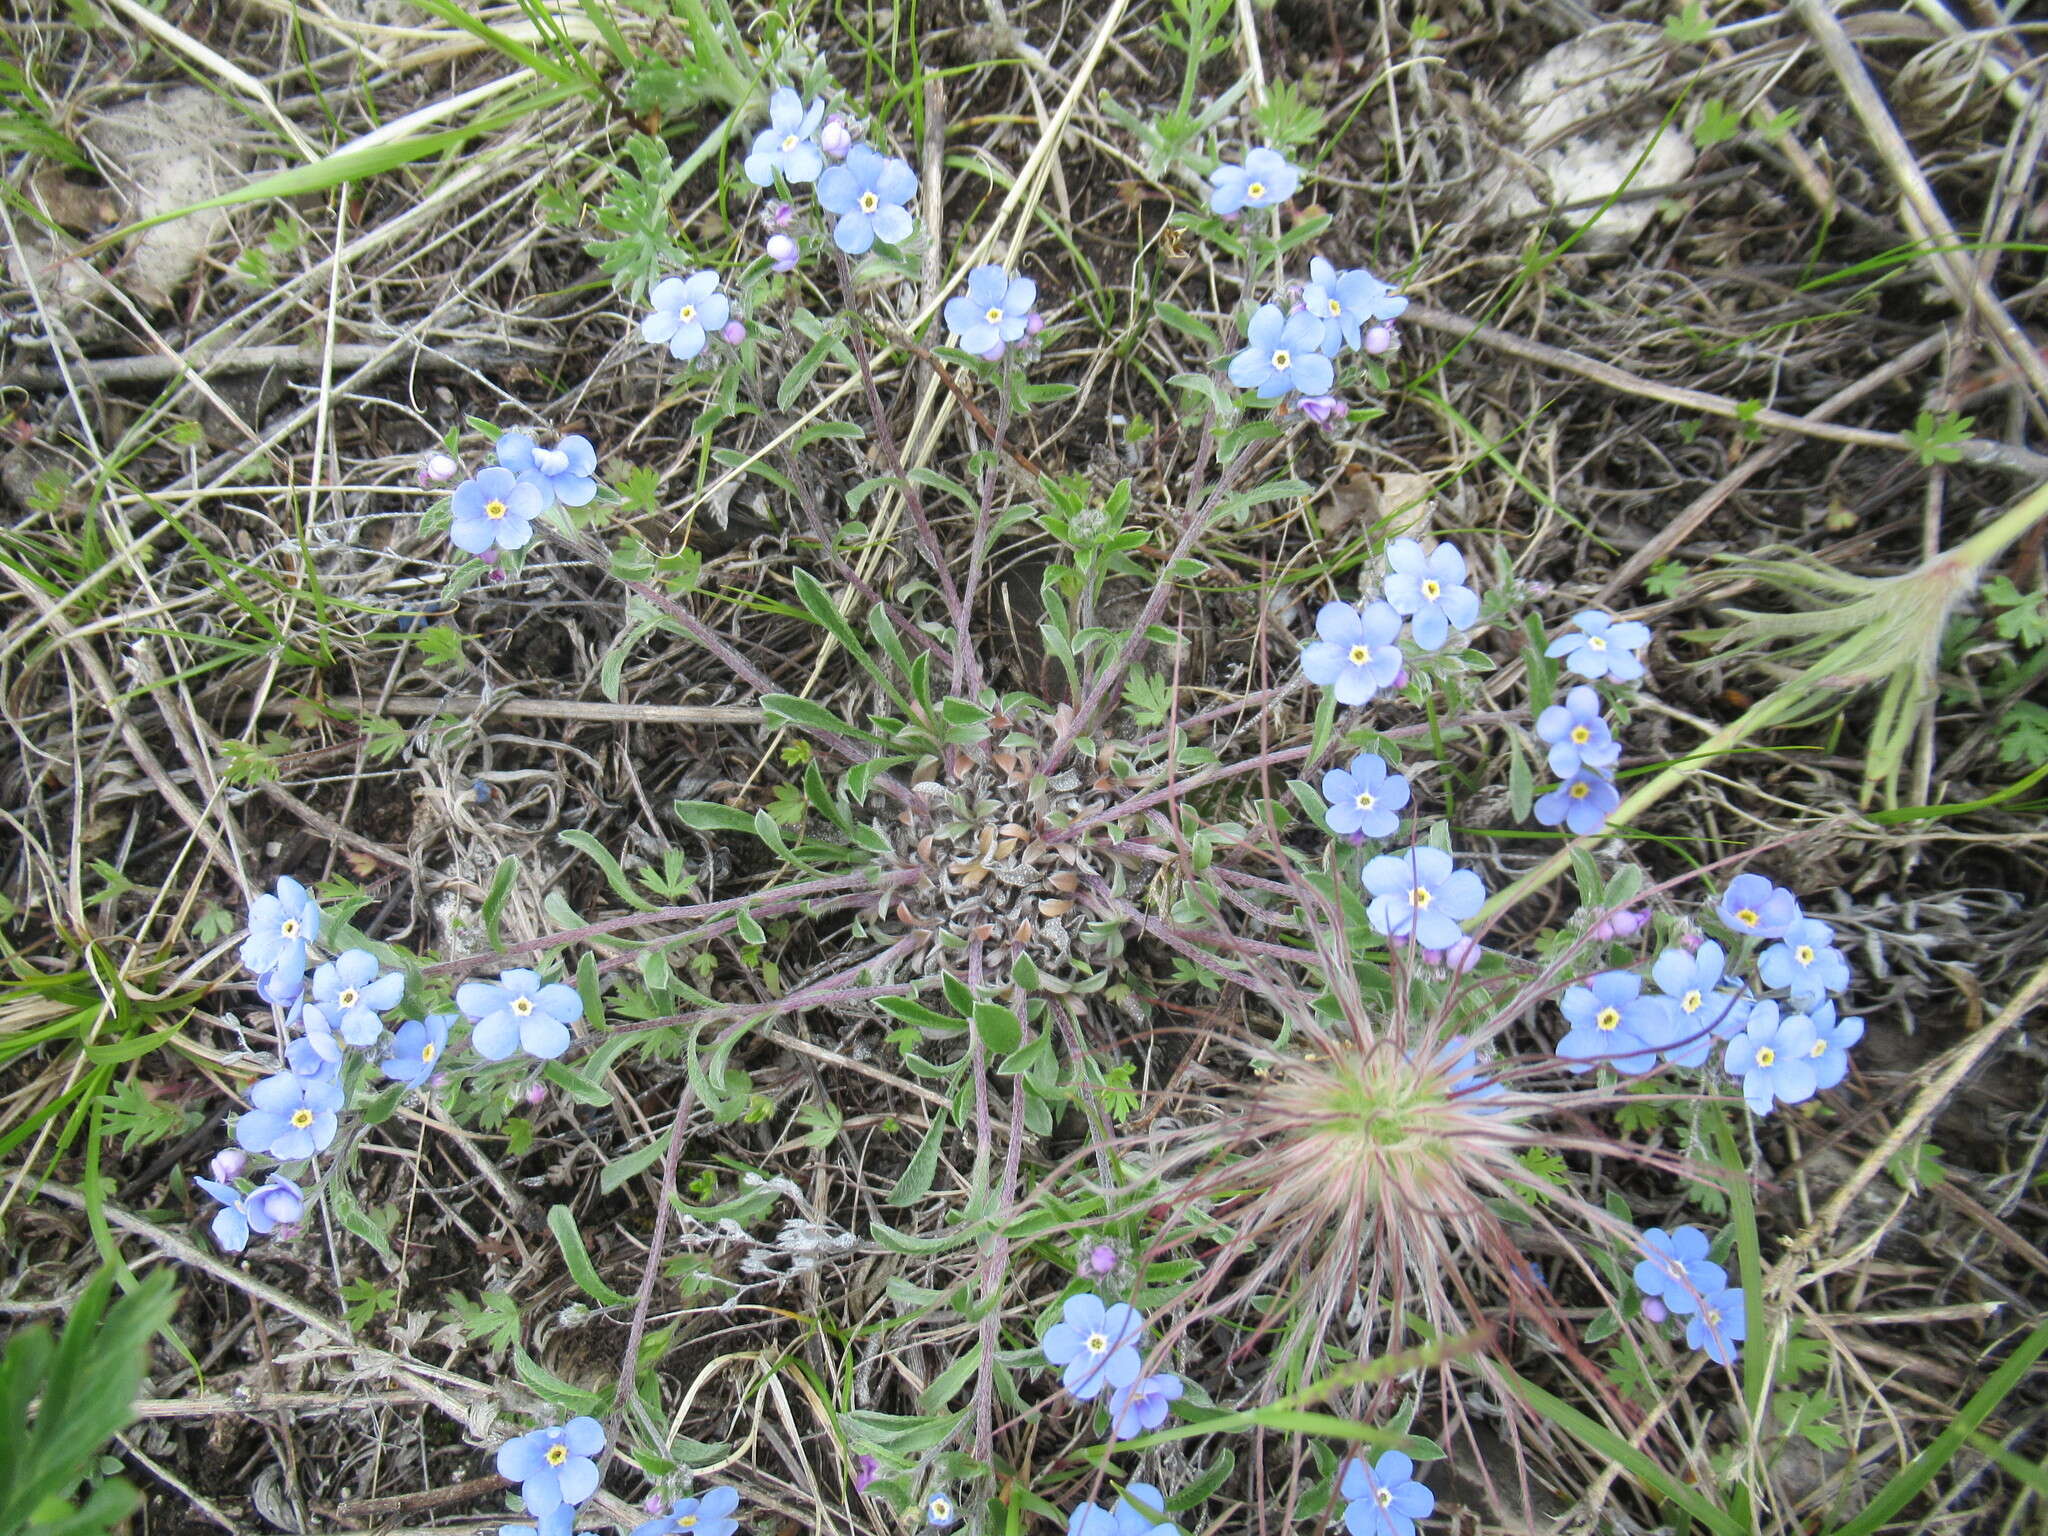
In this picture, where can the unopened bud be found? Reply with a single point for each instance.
(783, 252)
(780, 215)
(865, 1470)
(436, 468)
(1623, 924)
(835, 138)
(1379, 340)
(1462, 956)
(1098, 1260)
(733, 332)
(227, 1165)
(536, 1093)
(1033, 323)
(1323, 410)
(1654, 1311)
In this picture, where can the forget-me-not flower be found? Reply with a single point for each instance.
(993, 313)
(355, 993)
(789, 144)
(1383, 1499)
(1602, 646)
(686, 311)
(517, 1012)
(1280, 355)
(1577, 736)
(1421, 895)
(1582, 803)
(317, 1051)
(280, 928)
(1140, 1510)
(1699, 1012)
(1141, 1406)
(493, 510)
(561, 1523)
(554, 1466)
(1355, 654)
(1774, 1058)
(1754, 906)
(940, 1511)
(1676, 1269)
(1265, 180)
(293, 1117)
(1345, 301)
(278, 1203)
(564, 474)
(1430, 589)
(1096, 1345)
(1365, 799)
(868, 193)
(417, 1048)
(1721, 1323)
(1829, 1052)
(1805, 963)
(1612, 1022)
(710, 1513)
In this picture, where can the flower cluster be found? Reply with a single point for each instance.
(495, 508)
(1295, 351)
(1677, 1279)
(1582, 750)
(1099, 1346)
(1357, 651)
(709, 1513)
(1383, 1498)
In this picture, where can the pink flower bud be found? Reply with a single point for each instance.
(1380, 339)
(733, 333)
(1098, 1260)
(1623, 924)
(835, 138)
(653, 1504)
(1323, 410)
(780, 215)
(435, 468)
(782, 251)
(536, 1093)
(865, 1468)
(1691, 942)
(1400, 679)
(1033, 323)
(287, 1232)
(1654, 1311)
(1463, 955)
(228, 1164)
(494, 574)
(994, 354)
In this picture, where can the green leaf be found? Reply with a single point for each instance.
(576, 1085)
(786, 709)
(494, 899)
(638, 1161)
(707, 816)
(998, 1029)
(916, 1182)
(562, 1222)
(1718, 123)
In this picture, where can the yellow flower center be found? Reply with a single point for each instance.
(1803, 954)
(428, 1051)
(869, 202)
(1336, 308)
(1607, 1019)
(347, 997)
(1580, 735)
(686, 1521)
(1820, 1049)
(1097, 1343)
(994, 314)
(494, 509)
(557, 1454)
(687, 313)
(289, 928)
(1691, 1001)
(1765, 1056)
(1384, 1498)
(1365, 801)
(1674, 1269)
(789, 142)
(522, 1006)
(1283, 359)
(941, 1509)
(1359, 655)
(1419, 897)
(1712, 1317)
(1432, 590)
(1580, 790)
(1746, 916)
(301, 1118)
(1255, 189)
(1594, 642)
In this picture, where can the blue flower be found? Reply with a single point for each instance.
(993, 313)
(707, 1514)
(1345, 301)
(417, 1048)
(940, 1511)
(1384, 1498)
(1700, 1014)
(517, 1013)
(1091, 1520)
(553, 1466)
(1365, 798)
(1139, 1407)
(1467, 1085)
(1721, 1323)
(493, 510)
(1582, 802)
(1096, 1343)
(292, 1118)
(317, 1051)
(1830, 1050)
(1603, 647)
(1774, 1058)
(868, 193)
(1263, 181)
(563, 474)
(280, 928)
(1355, 654)
(1613, 1023)
(278, 1203)
(560, 1523)
(356, 994)
(1282, 355)
(1138, 1510)
(1753, 905)
(1805, 963)
(1578, 737)
(789, 144)
(1676, 1269)
(686, 310)
(1431, 590)
(1421, 895)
